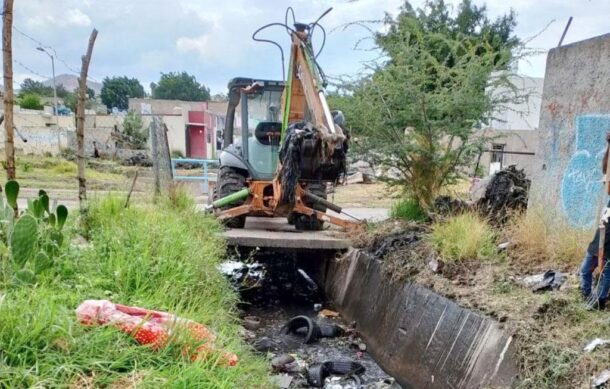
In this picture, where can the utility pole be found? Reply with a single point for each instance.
(7, 57)
(54, 86)
(80, 124)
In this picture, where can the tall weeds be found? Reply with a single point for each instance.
(539, 239)
(155, 257)
(465, 236)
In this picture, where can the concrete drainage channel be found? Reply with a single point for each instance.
(386, 335)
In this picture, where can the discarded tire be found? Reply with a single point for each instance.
(317, 373)
(312, 330)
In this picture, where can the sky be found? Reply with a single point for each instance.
(211, 39)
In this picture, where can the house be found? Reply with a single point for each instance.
(193, 126)
(514, 128)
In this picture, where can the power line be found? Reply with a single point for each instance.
(30, 69)
(43, 45)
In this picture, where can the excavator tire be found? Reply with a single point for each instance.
(231, 180)
(306, 222)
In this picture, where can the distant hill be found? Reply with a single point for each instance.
(70, 82)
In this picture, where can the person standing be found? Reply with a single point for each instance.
(597, 299)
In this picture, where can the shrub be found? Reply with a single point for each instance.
(27, 167)
(30, 101)
(177, 154)
(465, 236)
(65, 167)
(408, 209)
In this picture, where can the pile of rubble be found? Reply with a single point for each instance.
(360, 171)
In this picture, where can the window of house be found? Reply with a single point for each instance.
(497, 153)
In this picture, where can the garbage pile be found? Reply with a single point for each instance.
(139, 159)
(285, 317)
(385, 244)
(316, 351)
(272, 279)
(188, 165)
(507, 192)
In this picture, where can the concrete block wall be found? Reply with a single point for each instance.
(574, 120)
(38, 133)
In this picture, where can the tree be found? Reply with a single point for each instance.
(418, 110)
(133, 129)
(180, 86)
(116, 91)
(30, 101)
(29, 87)
(219, 97)
(62, 92)
(71, 100)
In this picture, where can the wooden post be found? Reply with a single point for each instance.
(7, 56)
(154, 149)
(80, 123)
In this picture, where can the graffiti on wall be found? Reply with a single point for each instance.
(581, 185)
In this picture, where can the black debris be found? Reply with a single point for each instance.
(310, 330)
(188, 165)
(382, 245)
(507, 192)
(139, 159)
(317, 373)
(447, 205)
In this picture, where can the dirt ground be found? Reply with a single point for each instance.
(374, 195)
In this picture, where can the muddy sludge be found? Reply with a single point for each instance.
(278, 286)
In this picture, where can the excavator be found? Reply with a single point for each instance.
(290, 144)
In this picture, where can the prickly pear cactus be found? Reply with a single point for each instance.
(42, 262)
(24, 239)
(11, 189)
(35, 236)
(62, 216)
(26, 276)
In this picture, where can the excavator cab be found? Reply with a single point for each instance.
(253, 128)
(282, 144)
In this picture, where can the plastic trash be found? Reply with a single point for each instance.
(152, 328)
(592, 345)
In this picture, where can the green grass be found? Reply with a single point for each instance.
(58, 173)
(466, 236)
(408, 209)
(156, 257)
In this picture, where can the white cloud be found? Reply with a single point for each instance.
(73, 17)
(76, 17)
(200, 44)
